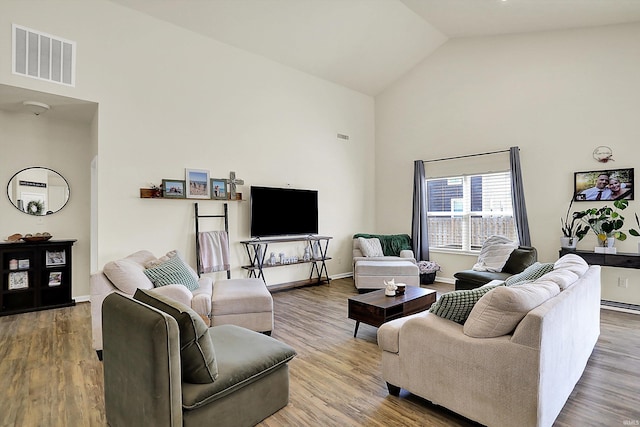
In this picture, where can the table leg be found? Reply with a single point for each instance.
(356, 331)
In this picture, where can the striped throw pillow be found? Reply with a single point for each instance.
(172, 271)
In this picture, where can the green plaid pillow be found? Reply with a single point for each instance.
(534, 271)
(457, 305)
(172, 271)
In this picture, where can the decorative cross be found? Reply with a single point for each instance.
(232, 184)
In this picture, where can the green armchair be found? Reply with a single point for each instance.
(164, 367)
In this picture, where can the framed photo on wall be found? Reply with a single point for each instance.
(612, 184)
(197, 184)
(173, 188)
(219, 188)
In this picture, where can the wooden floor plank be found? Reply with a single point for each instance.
(50, 376)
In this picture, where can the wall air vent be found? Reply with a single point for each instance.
(43, 56)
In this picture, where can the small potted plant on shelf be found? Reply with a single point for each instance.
(606, 223)
(428, 271)
(572, 232)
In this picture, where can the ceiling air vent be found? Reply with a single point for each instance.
(43, 56)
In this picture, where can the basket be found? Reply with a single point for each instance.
(427, 278)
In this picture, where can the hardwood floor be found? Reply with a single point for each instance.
(49, 375)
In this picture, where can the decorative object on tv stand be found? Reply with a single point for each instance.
(317, 251)
(272, 259)
(571, 231)
(233, 181)
(606, 223)
(307, 254)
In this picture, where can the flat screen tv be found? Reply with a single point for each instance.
(283, 212)
(612, 184)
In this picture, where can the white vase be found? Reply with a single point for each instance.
(568, 242)
(611, 241)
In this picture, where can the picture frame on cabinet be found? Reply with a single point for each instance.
(18, 280)
(173, 188)
(55, 278)
(219, 189)
(197, 184)
(56, 258)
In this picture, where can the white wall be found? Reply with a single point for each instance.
(28, 140)
(556, 95)
(170, 99)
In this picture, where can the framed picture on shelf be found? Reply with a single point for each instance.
(218, 188)
(23, 264)
(18, 280)
(612, 184)
(54, 258)
(197, 184)
(55, 278)
(173, 188)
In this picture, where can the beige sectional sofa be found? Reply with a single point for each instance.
(520, 377)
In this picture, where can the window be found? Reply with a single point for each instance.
(464, 211)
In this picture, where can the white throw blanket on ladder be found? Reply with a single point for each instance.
(214, 251)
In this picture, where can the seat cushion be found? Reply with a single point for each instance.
(386, 268)
(243, 357)
(239, 296)
(475, 279)
(197, 354)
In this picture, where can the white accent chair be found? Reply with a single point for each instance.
(370, 272)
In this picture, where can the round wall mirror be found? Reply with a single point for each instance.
(38, 191)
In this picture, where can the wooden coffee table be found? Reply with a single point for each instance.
(375, 308)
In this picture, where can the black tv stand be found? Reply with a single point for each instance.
(318, 265)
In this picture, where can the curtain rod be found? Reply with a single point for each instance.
(467, 155)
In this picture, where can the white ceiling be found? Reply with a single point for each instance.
(364, 45)
(368, 44)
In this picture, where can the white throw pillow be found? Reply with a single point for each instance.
(494, 254)
(370, 247)
(499, 311)
(127, 274)
(568, 269)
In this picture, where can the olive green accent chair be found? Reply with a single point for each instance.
(164, 367)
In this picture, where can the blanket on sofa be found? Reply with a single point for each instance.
(392, 244)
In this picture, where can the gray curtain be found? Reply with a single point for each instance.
(419, 231)
(517, 196)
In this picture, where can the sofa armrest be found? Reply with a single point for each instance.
(176, 292)
(389, 333)
(408, 254)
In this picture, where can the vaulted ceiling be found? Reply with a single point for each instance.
(366, 45)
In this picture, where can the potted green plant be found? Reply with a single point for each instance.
(571, 231)
(606, 223)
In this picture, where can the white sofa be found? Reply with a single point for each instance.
(523, 377)
(242, 302)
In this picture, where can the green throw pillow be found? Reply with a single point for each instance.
(197, 354)
(172, 271)
(534, 271)
(457, 305)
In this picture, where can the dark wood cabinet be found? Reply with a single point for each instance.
(35, 276)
